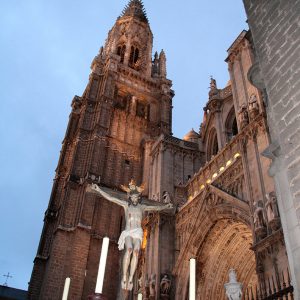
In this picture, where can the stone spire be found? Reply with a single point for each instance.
(162, 64)
(135, 8)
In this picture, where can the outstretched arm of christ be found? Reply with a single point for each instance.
(157, 207)
(96, 189)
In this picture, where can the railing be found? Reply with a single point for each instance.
(213, 169)
(274, 290)
(221, 161)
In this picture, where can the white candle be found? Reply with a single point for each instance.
(66, 288)
(140, 296)
(192, 279)
(102, 264)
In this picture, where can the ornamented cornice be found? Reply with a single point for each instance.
(137, 76)
(234, 48)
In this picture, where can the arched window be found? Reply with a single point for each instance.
(231, 125)
(212, 144)
(234, 127)
(121, 52)
(215, 146)
(134, 56)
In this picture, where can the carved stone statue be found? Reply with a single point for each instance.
(271, 206)
(140, 287)
(213, 83)
(253, 107)
(272, 211)
(147, 288)
(165, 285)
(233, 288)
(166, 197)
(133, 105)
(153, 286)
(259, 220)
(213, 88)
(243, 116)
(132, 236)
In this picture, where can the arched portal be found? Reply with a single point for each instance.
(220, 237)
(227, 245)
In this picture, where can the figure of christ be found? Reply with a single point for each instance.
(132, 236)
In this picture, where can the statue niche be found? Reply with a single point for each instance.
(152, 287)
(272, 211)
(142, 110)
(165, 287)
(121, 101)
(243, 116)
(259, 220)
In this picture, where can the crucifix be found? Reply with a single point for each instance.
(7, 277)
(131, 238)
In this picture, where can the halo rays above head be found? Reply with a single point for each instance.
(133, 188)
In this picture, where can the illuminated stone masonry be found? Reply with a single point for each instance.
(225, 208)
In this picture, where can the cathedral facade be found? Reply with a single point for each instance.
(226, 214)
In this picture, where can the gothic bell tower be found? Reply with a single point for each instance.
(124, 108)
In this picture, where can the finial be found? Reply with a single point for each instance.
(101, 51)
(162, 53)
(162, 64)
(135, 8)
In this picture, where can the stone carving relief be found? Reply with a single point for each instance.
(253, 107)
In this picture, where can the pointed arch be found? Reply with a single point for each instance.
(212, 144)
(134, 56)
(231, 127)
(121, 50)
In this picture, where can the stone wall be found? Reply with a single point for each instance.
(276, 36)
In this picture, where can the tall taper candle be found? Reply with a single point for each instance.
(66, 288)
(102, 264)
(140, 296)
(192, 279)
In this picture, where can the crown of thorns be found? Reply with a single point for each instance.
(133, 188)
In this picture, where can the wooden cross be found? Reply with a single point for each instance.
(7, 277)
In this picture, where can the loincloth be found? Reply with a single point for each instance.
(136, 233)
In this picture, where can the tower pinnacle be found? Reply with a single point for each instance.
(135, 8)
